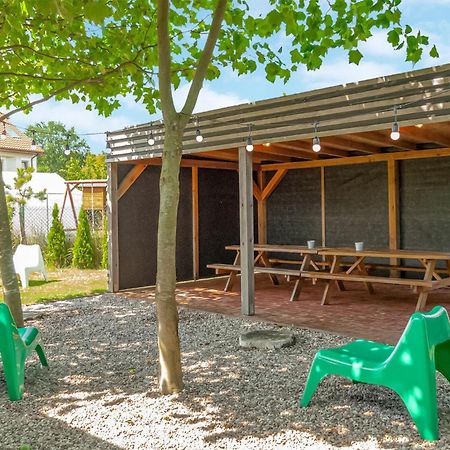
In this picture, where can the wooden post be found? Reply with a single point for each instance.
(246, 232)
(393, 210)
(113, 229)
(322, 206)
(195, 225)
(262, 211)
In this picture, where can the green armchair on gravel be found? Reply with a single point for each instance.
(409, 368)
(16, 344)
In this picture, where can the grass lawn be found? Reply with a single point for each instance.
(62, 284)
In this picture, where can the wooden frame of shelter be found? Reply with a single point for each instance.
(71, 185)
(354, 126)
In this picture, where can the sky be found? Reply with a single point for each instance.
(432, 17)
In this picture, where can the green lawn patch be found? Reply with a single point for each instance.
(63, 284)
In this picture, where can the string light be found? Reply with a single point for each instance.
(3, 135)
(249, 146)
(198, 133)
(67, 148)
(33, 141)
(151, 139)
(395, 131)
(316, 140)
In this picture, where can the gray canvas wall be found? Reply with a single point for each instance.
(293, 209)
(425, 204)
(218, 216)
(356, 204)
(138, 223)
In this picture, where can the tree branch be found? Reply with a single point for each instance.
(3, 117)
(204, 60)
(64, 89)
(164, 60)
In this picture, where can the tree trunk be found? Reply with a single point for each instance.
(170, 377)
(9, 280)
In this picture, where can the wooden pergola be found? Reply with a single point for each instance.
(353, 122)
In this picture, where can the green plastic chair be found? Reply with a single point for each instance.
(16, 344)
(409, 368)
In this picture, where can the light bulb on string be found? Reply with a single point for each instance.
(198, 133)
(316, 140)
(316, 144)
(67, 147)
(249, 147)
(151, 139)
(395, 130)
(4, 135)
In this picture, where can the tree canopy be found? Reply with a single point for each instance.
(54, 137)
(97, 50)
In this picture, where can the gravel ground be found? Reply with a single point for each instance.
(101, 390)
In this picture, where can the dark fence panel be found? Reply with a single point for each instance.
(218, 216)
(293, 209)
(138, 224)
(425, 205)
(357, 205)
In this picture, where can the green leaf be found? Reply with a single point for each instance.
(434, 52)
(354, 56)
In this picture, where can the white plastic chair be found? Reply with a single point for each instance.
(28, 259)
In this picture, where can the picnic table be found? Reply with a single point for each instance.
(263, 265)
(336, 271)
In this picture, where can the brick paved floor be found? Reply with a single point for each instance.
(353, 312)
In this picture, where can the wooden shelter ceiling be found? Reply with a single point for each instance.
(414, 137)
(354, 120)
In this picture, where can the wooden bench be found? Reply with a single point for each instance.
(226, 268)
(233, 269)
(342, 276)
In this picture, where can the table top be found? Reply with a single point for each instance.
(298, 249)
(385, 253)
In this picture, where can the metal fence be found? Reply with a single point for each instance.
(38, 217)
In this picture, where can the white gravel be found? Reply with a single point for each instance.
(101, 390)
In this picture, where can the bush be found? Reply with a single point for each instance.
(105, 244)
(83, 248)
(56, 253)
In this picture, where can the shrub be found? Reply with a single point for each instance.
(83, 248)
(56, 253)
(105, 244)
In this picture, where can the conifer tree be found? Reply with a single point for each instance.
(83, 248)
(56, 254)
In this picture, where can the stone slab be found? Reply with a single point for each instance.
(266, 339)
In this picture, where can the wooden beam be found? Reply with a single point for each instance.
(322, 206)
(200, 163)
(381, 140)
(246, 232)
(112, 205)
(262, 211)
(273, 183)
(300, 152)
(226, 155)
(257, 191)
(344, 143)
(266, 156)
(393, 212)
(305, 146)
(426, 134)
(275, 150)
(396, 156)
(195, 226)
(129, 179)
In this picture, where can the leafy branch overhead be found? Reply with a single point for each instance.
(96, 50)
